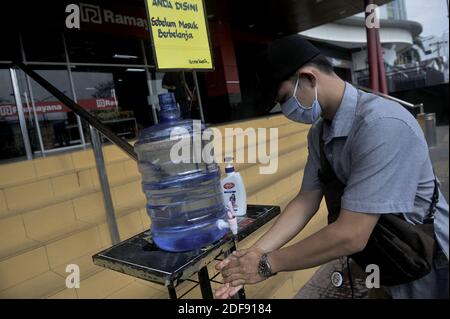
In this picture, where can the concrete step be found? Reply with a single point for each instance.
(68, 176)
(131, 289)
(39, 286)
(17, 173)
(44, 191)
(24, 231)
(292, 162)
(77, 247)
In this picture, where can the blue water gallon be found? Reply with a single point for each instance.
(184, 198)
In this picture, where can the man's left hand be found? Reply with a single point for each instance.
(245, 269)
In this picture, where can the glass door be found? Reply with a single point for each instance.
(117, 96)
(12, 124)
(55, 127)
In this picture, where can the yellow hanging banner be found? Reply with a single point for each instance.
(180, 34)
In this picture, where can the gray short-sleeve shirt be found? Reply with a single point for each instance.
(378, 150)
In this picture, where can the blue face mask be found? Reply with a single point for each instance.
(295, 111)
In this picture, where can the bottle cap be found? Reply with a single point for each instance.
(229, 168)
(169, 111)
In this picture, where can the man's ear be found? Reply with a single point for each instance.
(309, 76)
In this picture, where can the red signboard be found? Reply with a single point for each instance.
(127, 21)
(10, 110)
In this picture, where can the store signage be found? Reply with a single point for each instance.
(7, 110)
(130, 21)
(180, 34)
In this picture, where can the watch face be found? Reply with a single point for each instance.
(263, 267)
(337, 279)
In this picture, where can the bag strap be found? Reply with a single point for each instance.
(324, 163)
(326, 172)
(434, 200)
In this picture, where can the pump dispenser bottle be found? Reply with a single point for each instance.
(233, 189)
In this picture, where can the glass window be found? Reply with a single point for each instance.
(117, 96)
(58, 124)
(11, 141)
(43, 45)
(149, 53)
(10, 48)
(182, 85)
(94, 48)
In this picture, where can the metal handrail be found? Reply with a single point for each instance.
(404, 103)
(80, 111)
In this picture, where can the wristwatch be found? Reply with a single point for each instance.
(264, 269)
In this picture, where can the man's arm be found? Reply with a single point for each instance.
(348, 235)
(302, 208)
(291, 221)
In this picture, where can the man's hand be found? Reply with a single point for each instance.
(238, 269)
(226, 291)
(241, 267)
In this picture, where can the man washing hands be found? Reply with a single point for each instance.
(369, 158)
(237, 270)
(265, 258)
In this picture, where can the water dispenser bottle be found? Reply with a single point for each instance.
(184, 200)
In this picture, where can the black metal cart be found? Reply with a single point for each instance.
(139, 257)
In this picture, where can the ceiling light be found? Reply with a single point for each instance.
(124, 56)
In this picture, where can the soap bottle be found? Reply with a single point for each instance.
(233, 189)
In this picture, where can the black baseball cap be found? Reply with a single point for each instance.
(281, 60)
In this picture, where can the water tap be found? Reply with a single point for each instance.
(231, 222)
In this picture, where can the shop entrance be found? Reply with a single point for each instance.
(37, 124)
(117, 96)
(12, 125)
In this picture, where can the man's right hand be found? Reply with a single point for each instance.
(230, 262)
(226, 291)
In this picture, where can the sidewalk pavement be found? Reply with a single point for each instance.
(320, 287)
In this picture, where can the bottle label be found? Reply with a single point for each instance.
(228, 185)
(232, 198)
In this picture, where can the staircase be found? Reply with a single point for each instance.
(52, 215)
